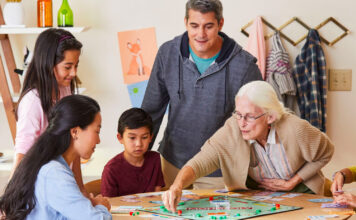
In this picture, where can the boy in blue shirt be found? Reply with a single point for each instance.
(135, 170)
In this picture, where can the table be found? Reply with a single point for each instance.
(309, 208)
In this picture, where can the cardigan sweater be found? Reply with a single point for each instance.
(307, 149)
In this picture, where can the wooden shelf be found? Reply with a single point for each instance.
(36, 30)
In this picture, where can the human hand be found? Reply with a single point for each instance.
(337, 184)
(99, 200)
(345, 199)
(276, 185)
(171, 198)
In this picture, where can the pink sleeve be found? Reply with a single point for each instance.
(31, 122)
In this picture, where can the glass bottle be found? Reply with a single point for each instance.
(44, 13)
(65, 15)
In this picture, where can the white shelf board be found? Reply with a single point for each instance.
(15, 98)
(36, 30)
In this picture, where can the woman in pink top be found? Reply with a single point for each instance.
(51, 76)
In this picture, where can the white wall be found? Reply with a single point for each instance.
(100, 67)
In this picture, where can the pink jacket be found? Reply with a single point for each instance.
(32, 121)
(256, 45)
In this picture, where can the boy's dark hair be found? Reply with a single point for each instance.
(134, 118)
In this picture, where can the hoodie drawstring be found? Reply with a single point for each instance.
(226, 98)
(180, 75)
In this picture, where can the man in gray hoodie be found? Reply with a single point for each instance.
(198, 74)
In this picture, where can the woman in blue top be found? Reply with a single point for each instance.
(43, 186)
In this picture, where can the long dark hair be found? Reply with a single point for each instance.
(49, 51)
(76, 110)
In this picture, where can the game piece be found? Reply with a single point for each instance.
(278, 206)
(276, 194)
(179, 212)
(276, 199)
(125, 209)
(198, 215)
(321, 200)
(221, 191)
(181, 203)
(258, 211)
(341, 212)
(130, 200)
(238, 214)
(137, 213)
(273, 209)
(211, 198)
(131, 213)
(291, 195)
(321, 217)
(333, 205)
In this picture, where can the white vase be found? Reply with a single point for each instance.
(13, 13)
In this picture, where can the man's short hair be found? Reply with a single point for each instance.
(205, 6)
(134, 118)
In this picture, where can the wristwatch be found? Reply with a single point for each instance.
(342, 173)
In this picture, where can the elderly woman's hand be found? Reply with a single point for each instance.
(276, 185)
(171, 198)
(280, 184)
(345, 199)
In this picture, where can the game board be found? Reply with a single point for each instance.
(222, 207)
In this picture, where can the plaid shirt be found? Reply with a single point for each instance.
(310, 77)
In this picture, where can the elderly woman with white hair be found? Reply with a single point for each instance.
(262, 145)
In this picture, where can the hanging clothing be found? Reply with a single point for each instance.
(256, 45)
(279, 75)
(310, 77)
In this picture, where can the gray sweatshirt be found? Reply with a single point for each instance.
(199, 104)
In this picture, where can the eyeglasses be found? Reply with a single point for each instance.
(247, 118)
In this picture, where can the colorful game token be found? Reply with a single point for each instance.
(198, 215)
(237, 214)
(278, 206)
(181, 203)
(211, 198)
(131, 213)
(273, 209)
(137, 213)
(179, 212)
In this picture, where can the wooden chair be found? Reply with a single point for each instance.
(327, 186)
(93, 187)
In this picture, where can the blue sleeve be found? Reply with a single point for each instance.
(64, 196)
(156, 96)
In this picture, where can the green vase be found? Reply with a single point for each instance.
(65, 15)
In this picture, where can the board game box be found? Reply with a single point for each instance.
(222, 207)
